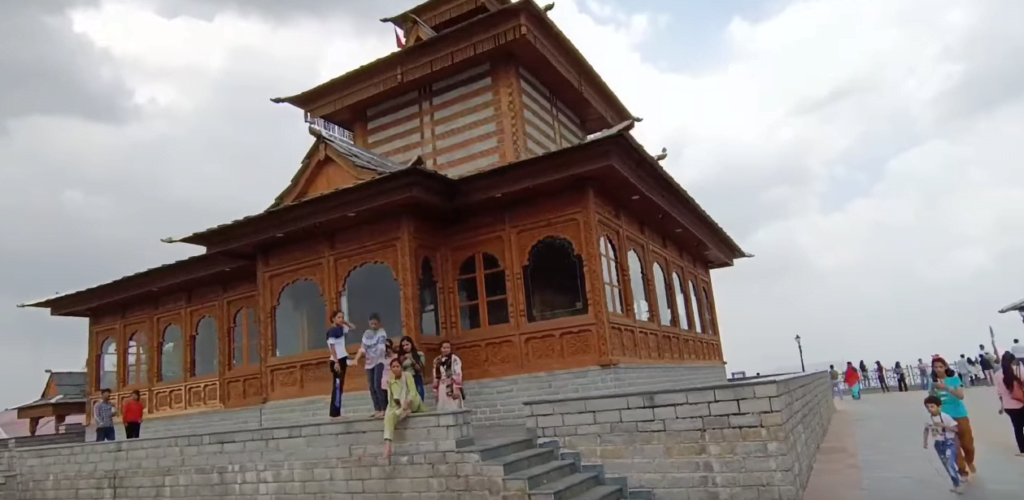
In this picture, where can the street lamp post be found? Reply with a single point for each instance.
(801, 348)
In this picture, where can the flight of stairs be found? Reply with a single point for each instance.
(532, 470)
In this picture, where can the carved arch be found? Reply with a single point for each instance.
(385, 297)
(309, 318)
(554, 280)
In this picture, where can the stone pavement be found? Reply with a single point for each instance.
(873, 452)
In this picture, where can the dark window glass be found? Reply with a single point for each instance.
(371, 288)
(554, 281)
(300, 319)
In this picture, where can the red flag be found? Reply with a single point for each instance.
(399, 38)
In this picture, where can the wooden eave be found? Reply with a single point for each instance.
(501, 29)
(167, 278)
(372, 198)
(620, 165)
(45, 409)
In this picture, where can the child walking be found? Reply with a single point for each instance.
(942, 429)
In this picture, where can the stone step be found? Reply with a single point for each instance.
(567, 487)
(602, 492)
(540, 475)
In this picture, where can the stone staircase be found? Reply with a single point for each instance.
(495, 402)
(532, 470)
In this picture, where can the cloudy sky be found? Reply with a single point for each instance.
(867, 152)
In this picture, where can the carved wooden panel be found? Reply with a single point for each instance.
(489, 358)
(569, 228)
(169, 399)
(242, 391)
(173, 301)
(292, 253)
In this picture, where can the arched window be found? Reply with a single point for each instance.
(637, 278)
(430, 320)
(695, 307)
(681, 306)
(245, 338)
(171, 354)
(300, 319)
(371, 288)
(108, 365)
(136, 364)
(610, 272)
(553, 281)
(482, 271)
(661, 292)
(204, 348)
(707, 311)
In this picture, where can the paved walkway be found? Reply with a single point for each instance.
(873, 452)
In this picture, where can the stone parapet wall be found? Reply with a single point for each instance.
(334, 460)
(745, 440)
(73, 433)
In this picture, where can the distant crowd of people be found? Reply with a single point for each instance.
(948, 425)
(394, 376)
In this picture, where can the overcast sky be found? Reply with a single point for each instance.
(869, 153)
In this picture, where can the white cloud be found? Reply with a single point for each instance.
(865, 152)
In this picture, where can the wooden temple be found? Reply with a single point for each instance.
(479, 185)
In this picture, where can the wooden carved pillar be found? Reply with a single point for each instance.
(33, 425)
(265, 315)
(408, 282)
(506, 78)
(591, 253)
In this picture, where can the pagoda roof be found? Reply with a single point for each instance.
(311, 97)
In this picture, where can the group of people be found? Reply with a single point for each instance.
(394, 374)
(949, 425)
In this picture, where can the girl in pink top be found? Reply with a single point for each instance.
(1009, 386)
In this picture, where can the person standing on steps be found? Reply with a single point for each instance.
(374, 349)
(947, 385)
(103, 415)
(1010, 387)
(448, 379)
(413, 362)
(336, 335)
(131, 415)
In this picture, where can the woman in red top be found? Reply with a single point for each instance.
(131, 415)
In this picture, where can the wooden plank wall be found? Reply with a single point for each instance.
(454, 124)
(549, 125)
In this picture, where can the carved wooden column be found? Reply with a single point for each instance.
(591, 252)
(407, 282)
(265, 315)
(506, 79)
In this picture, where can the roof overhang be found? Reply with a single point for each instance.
(625, 172)
(1016, 306)
(186, 273)
(373, 198)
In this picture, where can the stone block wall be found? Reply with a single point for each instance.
(341, 460)
(73, 433)
(751, 440)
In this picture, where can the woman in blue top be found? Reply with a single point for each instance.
(947, 386)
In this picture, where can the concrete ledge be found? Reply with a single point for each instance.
(753, 439)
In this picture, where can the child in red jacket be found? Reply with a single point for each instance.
(131, 415)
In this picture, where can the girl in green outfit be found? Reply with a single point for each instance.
(402, 400)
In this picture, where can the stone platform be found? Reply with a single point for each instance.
(495, 402)
(747, 440)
